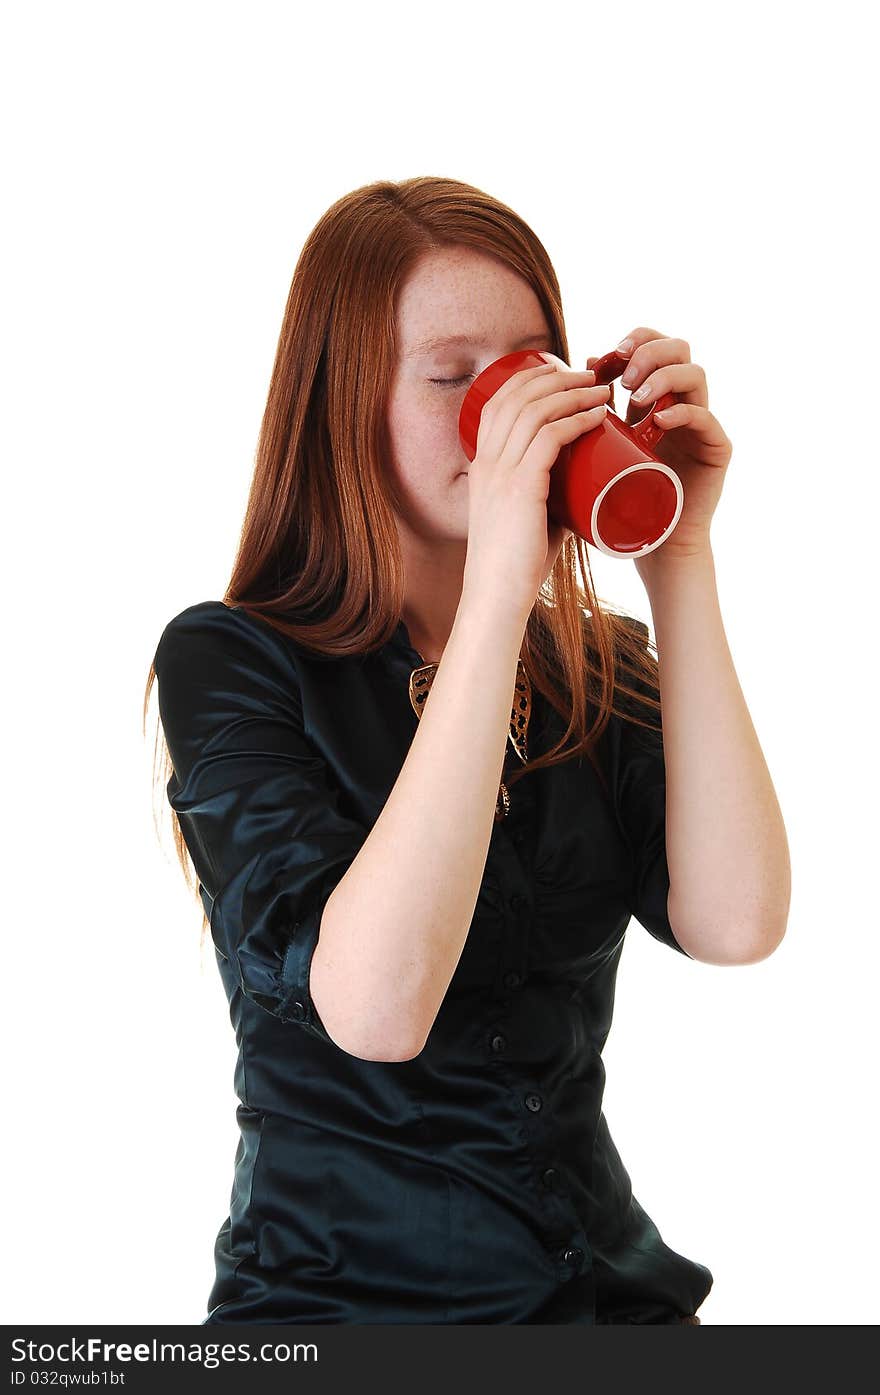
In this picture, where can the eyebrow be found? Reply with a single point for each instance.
(544, 336)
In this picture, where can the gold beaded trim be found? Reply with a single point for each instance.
(420, 681)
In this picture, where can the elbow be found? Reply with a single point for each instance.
(363, 1039)
(360, 1034)
(372, 1045)
(366, 1047)
(731, 945)
(738, 932)
(397, 1035)
(355, 1023)
(762, 944)
(372, 1050)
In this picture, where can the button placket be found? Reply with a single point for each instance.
(514, 949)
(564, 1238)
(552, 1179)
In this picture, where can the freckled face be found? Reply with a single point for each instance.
(450, 292)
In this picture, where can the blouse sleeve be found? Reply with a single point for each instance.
(257, 807)
(639, 791)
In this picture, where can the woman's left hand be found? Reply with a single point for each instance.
(695, 445)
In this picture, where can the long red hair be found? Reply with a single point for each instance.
(319, 556)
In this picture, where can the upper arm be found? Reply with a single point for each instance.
(638, 784)
(257, 806)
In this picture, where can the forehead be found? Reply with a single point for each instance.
(471, 341)
(459, 298)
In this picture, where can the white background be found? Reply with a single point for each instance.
(703, 170)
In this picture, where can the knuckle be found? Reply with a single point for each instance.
(534, 412)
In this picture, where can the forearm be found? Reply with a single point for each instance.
(727, 850)
(394, 928)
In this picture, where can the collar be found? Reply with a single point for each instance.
(401, 644)
(398, 653)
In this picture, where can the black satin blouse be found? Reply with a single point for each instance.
(477, 1182)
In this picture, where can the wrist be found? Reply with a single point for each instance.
(670, 583)
(668, 559)
(479, 609)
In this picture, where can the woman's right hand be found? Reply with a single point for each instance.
(512, 545)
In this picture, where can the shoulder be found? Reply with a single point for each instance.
(634, 670)
(214, 633)
(216, 620)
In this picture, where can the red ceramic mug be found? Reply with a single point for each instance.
(607, 485)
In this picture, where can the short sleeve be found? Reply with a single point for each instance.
(638, 784)
(257, 807)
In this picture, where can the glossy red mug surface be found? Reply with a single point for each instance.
(606, 485)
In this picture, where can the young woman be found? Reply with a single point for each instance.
(420, 776)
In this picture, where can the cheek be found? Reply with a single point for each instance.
(424, 439)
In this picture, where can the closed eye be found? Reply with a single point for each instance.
(451, 382)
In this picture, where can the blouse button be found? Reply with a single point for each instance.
(550, 1177)
(573, 1256)
(512, 980)
(498, 1042)
(533, 1102)
(516, 901)
(298, 1010)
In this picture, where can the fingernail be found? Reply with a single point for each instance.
(625, 346)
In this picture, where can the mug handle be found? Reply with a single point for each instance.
(647, 431)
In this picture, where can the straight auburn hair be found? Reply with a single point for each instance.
(318, 555)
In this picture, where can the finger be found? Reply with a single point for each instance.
(713, 438)
(529, 447)
(546, 395)
(499, 412)
(686, 379)
(636, 337)
(654, 353)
